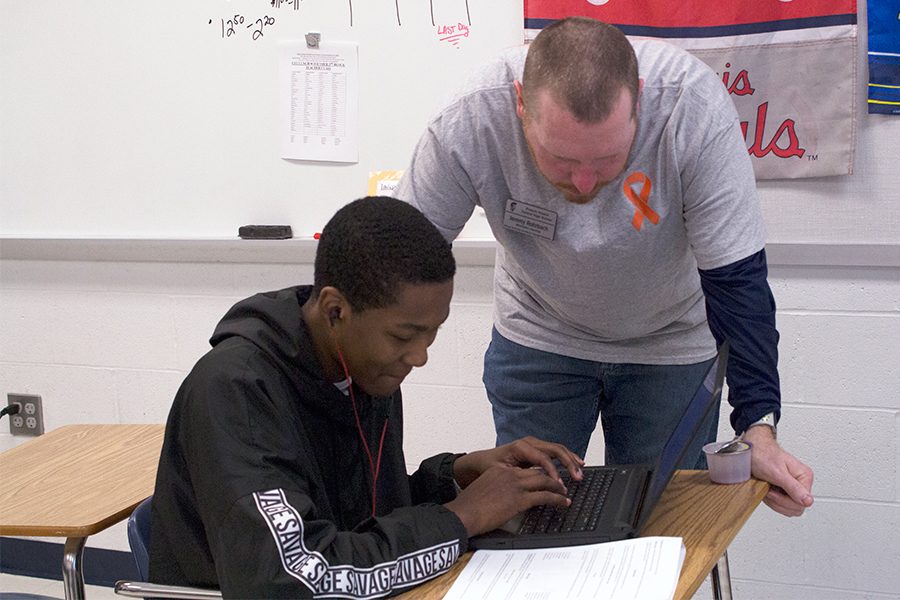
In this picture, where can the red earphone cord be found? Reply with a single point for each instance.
(374, 465)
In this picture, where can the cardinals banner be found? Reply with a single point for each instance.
(788, 65)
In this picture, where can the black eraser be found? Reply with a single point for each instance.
(265, 232)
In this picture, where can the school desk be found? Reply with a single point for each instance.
(707, 516)
(75, 481)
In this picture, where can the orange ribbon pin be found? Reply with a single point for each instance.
(639, 199)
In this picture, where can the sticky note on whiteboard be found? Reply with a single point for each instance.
(383, 183)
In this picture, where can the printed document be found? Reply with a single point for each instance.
(636, 569)
(319, 101)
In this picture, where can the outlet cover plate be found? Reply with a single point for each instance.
(30, 420)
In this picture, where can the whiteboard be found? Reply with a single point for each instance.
(144, 120)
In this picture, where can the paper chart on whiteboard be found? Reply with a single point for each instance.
(319, 104)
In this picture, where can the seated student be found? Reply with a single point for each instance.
(282, 473)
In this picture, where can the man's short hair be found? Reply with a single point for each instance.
(373, 246)
(584, 64)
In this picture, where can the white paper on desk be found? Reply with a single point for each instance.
(641, 568)
(319, 101)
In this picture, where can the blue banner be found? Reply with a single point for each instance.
(884, 56)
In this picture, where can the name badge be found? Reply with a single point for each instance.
(529, 219)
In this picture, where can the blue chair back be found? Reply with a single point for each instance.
(139, 538)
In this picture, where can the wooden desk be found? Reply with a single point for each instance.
(76, 481)
(706, 515)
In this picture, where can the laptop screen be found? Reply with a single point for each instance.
(705, 398)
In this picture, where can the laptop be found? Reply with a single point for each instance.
(617, 501)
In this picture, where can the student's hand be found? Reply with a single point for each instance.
(502, 492)
(525, 452)
(791, 480)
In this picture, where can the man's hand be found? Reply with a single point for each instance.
(525, 452)
(791, 480)
(502, 482)
(501, 493)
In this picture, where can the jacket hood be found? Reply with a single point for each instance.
(273, 322)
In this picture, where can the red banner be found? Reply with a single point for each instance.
(790, 68)
(687, 13)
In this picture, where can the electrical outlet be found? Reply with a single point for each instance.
(30, 420)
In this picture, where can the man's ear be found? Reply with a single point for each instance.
(520, 102)
(640, 90)
(332, 304)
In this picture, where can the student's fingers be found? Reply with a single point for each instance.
(548, 498)
(532, 479)
(568, 459)
(536, 452)
(530, 487)
(526, 452)
(503, 491)
(543, 489)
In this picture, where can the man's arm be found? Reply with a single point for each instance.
(269, 532)
(740, 308)
(433, 481)
(436, 183)
(276, 544)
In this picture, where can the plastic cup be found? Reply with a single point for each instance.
(732, 466)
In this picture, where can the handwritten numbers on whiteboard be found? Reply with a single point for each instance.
(234, 24)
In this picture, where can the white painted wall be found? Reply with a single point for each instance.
(110, 341)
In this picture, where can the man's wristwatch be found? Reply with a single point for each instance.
(769, 421)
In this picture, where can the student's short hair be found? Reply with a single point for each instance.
(373, 246)
(584, 64)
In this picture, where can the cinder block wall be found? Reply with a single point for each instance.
(110, 341)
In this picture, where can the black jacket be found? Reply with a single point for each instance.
(264, 487)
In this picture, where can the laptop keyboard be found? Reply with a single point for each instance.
(588, 496)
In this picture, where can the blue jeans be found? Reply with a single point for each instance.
(558, 398)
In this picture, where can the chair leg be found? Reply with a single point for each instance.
(721, 579)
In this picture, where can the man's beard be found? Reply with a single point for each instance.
(569, 191)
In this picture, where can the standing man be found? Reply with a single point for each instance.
(616, 182)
